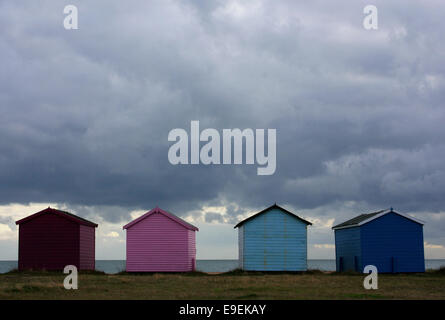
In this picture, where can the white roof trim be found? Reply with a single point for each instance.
(389, 211)
(345, 227)
(378, 216)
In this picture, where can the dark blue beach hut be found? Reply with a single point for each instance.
(391, 241)
(274, 239)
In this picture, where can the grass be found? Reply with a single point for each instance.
(236, 284)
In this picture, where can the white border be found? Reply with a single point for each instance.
(378, 216)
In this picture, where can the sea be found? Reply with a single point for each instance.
(115, 266)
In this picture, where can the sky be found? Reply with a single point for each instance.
(85, 114)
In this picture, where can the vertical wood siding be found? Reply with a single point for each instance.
(191, 259)
(275, 241)
(393, 243)
(87, 247)
(157, 243)
(348, 249)
(48, 242)
(241, 246)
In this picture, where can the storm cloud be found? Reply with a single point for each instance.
(85, 114)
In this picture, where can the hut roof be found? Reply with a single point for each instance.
(170, 215)
(60, 213)
(274, 206)
(367, 217)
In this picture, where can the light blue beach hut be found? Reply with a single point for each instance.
(274, 239)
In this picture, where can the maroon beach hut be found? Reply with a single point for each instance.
(52, 239)
(159, 241)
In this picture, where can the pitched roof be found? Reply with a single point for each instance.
(60, 213)
(367, 217)
(356, 220)
(170, 215)
(274, 206)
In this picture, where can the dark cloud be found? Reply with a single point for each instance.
(359, 115)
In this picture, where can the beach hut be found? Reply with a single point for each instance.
(273, 240)
(52, 239)
(391, 241)
(159, 241)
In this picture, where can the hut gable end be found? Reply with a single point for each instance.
(159, 241)
(273, 240)
(391, 241)
(52, 239)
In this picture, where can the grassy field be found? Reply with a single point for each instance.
(233, 285)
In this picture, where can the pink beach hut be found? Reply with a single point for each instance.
(159, 241)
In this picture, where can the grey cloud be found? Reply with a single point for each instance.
(213, 217)
(85, 114)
